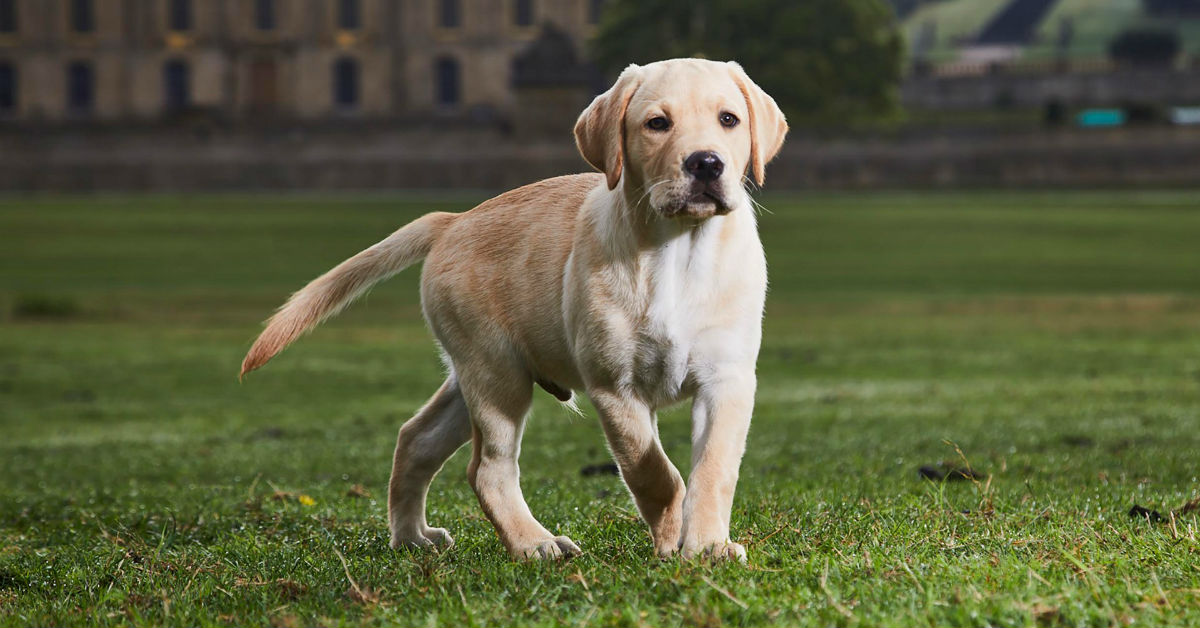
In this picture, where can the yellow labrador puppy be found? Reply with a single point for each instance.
(641, 287)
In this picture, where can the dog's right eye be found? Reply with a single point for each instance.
(658, 123)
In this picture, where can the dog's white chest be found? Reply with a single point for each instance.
(661, 356)
(676, 281)
(657, 324)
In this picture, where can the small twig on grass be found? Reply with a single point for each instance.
(722, 591)
(253, 485)
(1035, 575)
(189, 582)
(764, 539)
(1161, 594)
(824, 582)
(912, 575)
(466, 607)
(362, 596)
(578, 577)
(970, 475)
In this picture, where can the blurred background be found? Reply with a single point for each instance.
(323, 94)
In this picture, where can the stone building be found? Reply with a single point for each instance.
(129, 60)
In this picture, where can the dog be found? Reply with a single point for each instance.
(640, 286)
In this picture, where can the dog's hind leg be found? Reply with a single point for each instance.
(425, 442)
(499, 401)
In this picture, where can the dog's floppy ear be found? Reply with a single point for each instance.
(767, 124)
(600, 130)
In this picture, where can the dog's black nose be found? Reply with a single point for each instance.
(705, 165)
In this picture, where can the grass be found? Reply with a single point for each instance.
(1049, 339)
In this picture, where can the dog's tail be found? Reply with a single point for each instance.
(328, 294)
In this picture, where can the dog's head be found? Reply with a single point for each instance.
(683, 134)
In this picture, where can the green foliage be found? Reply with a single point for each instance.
(1051, 336)
(823, 60)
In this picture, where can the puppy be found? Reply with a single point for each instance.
(640, 287)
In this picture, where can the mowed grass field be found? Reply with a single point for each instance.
(1050, 340)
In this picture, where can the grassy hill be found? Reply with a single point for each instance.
(1095, 23)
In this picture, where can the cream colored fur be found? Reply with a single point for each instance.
(640, 287)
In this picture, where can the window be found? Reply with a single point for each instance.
(595, 10)
(348, 17)
(264, 14)
(345, 82)
(176, 85)
(179, 15)
(448, 14)
(523, 12)
(446, 86)
(8, 88)
(8, 16)
(80, 87)
(83, 20)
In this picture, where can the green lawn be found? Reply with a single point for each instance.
(1052, 338)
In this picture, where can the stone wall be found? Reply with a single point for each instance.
(366, 157)
(1000, 87)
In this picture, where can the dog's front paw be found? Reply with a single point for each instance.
(427, 538)
(557, 548)
(666, 550)
(714, 550)
(440, 537)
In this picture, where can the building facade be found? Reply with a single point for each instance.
(127, 60)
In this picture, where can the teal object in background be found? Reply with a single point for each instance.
(1092, 118)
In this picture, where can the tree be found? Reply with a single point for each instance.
(824, 61)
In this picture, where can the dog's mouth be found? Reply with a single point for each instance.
(700, 201)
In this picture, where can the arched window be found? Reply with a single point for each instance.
(523, 12)
(80, 87)
(83, 18)
(448, 14)
(349, 17)
(345, 82)
(179, 16)
(8, 89)
(176, 85)
(8, 16)
(447, 81)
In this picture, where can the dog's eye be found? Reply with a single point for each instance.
(728, 120)
(658, 123)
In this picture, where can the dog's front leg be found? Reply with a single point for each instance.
(657, 487)
(720, 420)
